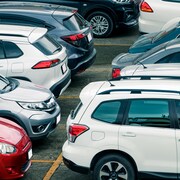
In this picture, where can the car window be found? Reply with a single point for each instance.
(75, 22)
(1, 51)
(172, 58)
(150, 52)
(164, 33)
(151, 113)
(177, 102)
(47, 45)
(107, 111)
(12, 50)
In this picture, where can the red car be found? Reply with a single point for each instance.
(15, 150)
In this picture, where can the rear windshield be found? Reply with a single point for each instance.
(150, 52)
(75, 22)
(164, 33)
(47, 45)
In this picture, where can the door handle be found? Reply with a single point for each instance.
(129, 134)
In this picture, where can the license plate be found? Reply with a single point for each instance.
(58, 119)
(89, 37)
(64, 68)
(30, 154)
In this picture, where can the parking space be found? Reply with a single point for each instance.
(47, 158)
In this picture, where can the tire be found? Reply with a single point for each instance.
(102, 24)
(106, 168)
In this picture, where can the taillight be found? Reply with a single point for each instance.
(46, 64)
(116, 72)
(74, 39)
(145, 7)
(76, 130)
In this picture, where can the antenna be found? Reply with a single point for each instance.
(109, 75)
(142, 65)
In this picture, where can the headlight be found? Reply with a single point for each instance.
(33, 106)
(122, 1)
(6, 148)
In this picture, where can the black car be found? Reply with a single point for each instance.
(104, 15)
(63, 23)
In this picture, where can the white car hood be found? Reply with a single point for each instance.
(27, 92)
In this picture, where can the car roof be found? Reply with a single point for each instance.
(35, 7)
(132, 86)
(165, 69)
(29, 32)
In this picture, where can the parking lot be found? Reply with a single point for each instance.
(47, 158)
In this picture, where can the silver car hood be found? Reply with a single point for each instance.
(27, 92)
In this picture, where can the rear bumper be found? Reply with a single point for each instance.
(75, 167)
(82, 63)
(62, 85)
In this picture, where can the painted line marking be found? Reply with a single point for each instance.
(96, 44)
(53, 167)
(42, 161)
(68, 97)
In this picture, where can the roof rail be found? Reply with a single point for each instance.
(138, 91)
(144, 77)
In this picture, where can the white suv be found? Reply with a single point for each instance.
(28, 53)
(126, 129)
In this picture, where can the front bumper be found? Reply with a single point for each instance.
(14, 166)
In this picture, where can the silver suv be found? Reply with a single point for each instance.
(32, 107)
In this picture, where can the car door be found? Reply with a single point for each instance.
(13, 54)
(3, 61)
(177, 109)
(149, 136)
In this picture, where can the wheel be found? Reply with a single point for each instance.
(102, 24)
(113, 167)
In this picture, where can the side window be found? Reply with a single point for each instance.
(178, 111)
(151, 113)
(172, 58)
(107, 111)
(12, 50)
(1, 51)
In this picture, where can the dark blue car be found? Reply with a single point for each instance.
(148, 41)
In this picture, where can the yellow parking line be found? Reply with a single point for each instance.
(68, 97)
(53, 168)
(96, 44)
(42, 161)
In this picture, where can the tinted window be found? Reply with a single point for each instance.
(47, 45)
(107, 111)
(1, 51)
(75, 22)
(150, 52)
(12, 50)
(172, 58)
(178, 110)
(153, 113)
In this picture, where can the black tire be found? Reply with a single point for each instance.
(125, 171)
(102, 24)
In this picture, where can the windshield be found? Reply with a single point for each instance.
(165, 32)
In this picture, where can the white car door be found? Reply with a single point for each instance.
(148, 136)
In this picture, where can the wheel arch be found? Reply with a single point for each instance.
(13, 117)
(115, 152)
(104, 10)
